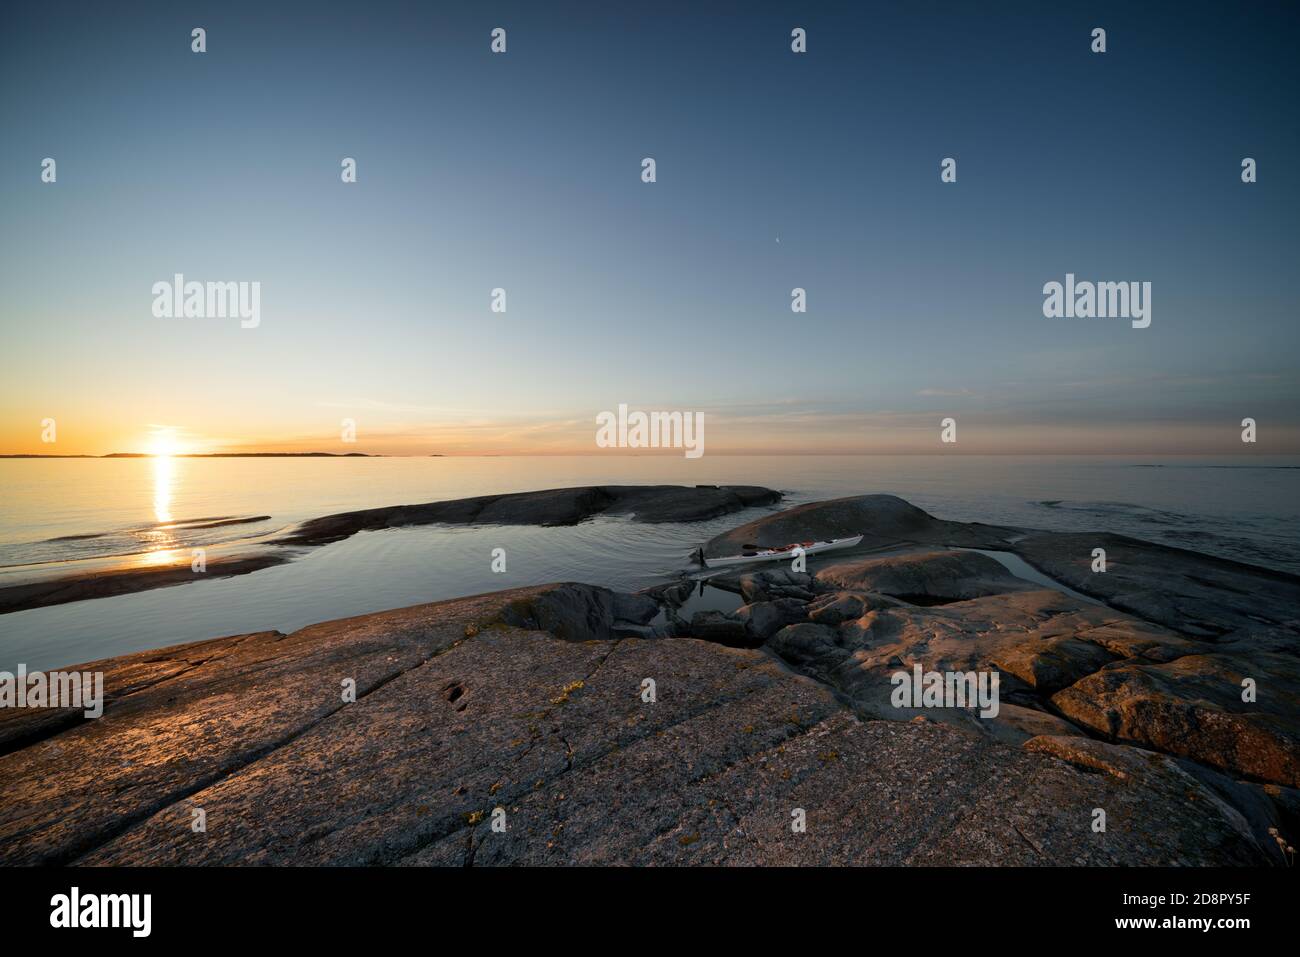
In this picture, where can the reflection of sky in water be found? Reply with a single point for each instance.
(369, 572)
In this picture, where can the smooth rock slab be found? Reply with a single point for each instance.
(925, 578)
(180, 718)
(459, 712)
(882, 520)
(1198, 595)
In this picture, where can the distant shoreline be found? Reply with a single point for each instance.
(667, 453)
(206, 455)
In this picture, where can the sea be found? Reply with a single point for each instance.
(58, 516)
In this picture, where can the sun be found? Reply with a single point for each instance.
(163, 443)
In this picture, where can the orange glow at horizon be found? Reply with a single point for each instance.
(809, 433)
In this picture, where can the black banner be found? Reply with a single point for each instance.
(335, 906)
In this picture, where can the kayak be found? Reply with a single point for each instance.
(782, 551)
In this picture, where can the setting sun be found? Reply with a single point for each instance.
(163, 442)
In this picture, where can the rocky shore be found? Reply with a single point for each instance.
(597, 727)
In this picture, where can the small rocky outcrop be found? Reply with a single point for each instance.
(924, 578)
(106, 583)
(565, 506)
(882, 520)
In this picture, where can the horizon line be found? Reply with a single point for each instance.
(659, 453)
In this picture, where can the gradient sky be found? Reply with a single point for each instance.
(523, 171)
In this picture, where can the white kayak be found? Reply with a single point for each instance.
(783, 551)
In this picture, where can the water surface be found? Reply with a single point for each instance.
(56, 514)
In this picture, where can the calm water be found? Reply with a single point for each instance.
(60, 514)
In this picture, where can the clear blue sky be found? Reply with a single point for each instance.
(523, 171)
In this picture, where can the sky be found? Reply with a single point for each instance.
(774, 170)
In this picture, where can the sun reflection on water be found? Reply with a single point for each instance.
(161, 556)
(164, 476)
